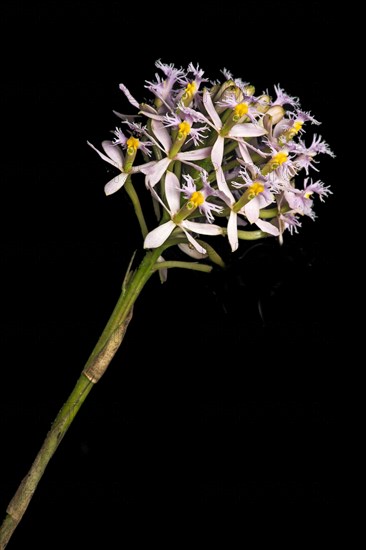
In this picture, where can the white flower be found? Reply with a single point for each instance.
(237, 132)
(115, 157)
(160, 234)
(156, 169)
(252, 213)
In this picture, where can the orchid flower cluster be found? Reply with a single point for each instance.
(216, 158)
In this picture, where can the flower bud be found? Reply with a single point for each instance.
(228, 89)
(263, 103)
(277, 112)
(249, 90)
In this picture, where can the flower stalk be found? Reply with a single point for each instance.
(98, 362)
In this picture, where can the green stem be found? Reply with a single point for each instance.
(184, 265)
(137, 206)
(252, 235)
(231, 146)
(272, 212)
(104, 351)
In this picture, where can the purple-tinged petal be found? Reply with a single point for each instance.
(223, 186)
(130, 97)
(154, 173)
(281, 127)
(115, 184)
(153, 115)
(267, 227)
(247, 129)
(114, 152)
(148, 108)
(197, 154)
(125, 117)
(251, 210)
(217, 152)
(162, 134)
(104, 157)
(232, 231)
(255, 149)
(245, 153)
(172, 192)
(202, 228)
(159, 235)
(207, 101)
(144, 168)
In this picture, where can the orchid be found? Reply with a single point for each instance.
(114, 156)
(215, 157)
(234, 129)
(178, 215)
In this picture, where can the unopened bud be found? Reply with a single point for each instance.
(263, 103)
(227, 91)
(249, 90)
(277, 112)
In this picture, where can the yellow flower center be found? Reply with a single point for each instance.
(184, 128)
(280, 158)
(308, 194)
(241, 109)
(297, 125)
(191, 89)
(256, 188)
(197, 198)
(133, 143)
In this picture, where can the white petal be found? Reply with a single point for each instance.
(258, 151)
(251, 210)
(247, 130)
(114, 152)
(158, 199)
(115, 184)
(125, 117)
(163, 273)
(155, 172)
(193, 241)
(130, 98)
(144, 168)
(268, 123)
(153, 115)
(162, 134)
(195, 166)
(244, 152)
(159, 235)
(223, 186)
(280, 128)
(217, 152)
(207, 101)
(104, 157)
(148, 109)
(172, 192)
(267, 227)
(197, 154)
(192, 252)
(202, 228)
(232, 231)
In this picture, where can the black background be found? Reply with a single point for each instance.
(227, 391)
